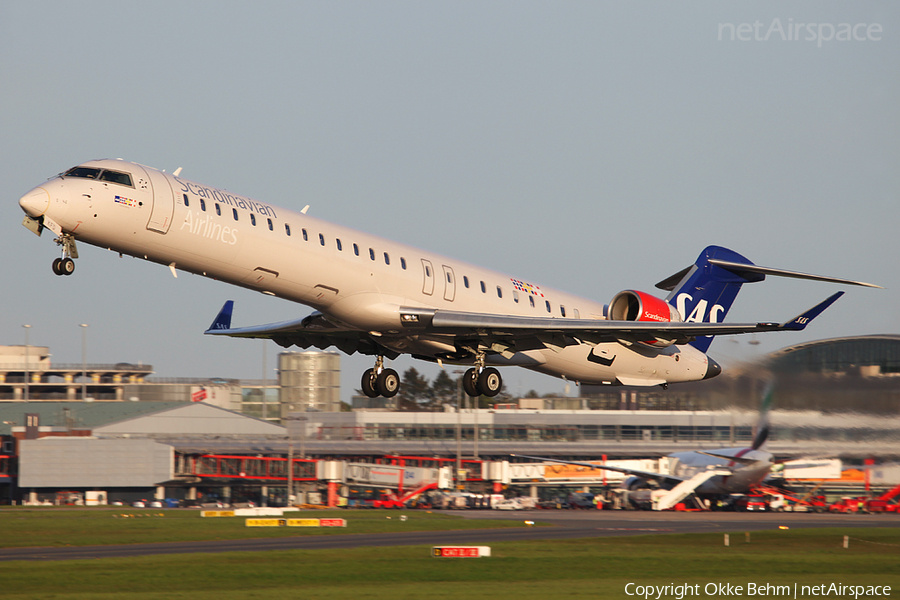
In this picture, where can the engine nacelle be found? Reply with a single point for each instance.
(632, 305)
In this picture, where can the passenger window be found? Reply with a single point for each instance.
(531, 300)
(116, 177)
(355, 249)
(466, 281)
(483, 289)
(402, 263)
(516, 296)
(339, 246)
(387, 259)
(371, 254)
(305, 236)
(203, 205)
(234, 212)
(186, 203)
(253, 219)
(271, 228)
(562, 310)
(321, 240)
(218, 209)
(287, 229)
(499, 292)
(548, 305)
(427, 271)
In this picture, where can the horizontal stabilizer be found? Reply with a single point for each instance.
(736, 267)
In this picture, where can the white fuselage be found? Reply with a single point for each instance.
(353, 278)
(742, 477)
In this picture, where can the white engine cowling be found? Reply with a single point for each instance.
(632, 305)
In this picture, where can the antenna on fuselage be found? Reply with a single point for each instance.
(177, 172)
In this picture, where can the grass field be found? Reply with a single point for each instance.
(591, 568)
(88, 527)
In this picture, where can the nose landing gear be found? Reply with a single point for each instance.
(63, 266)
(66, 264)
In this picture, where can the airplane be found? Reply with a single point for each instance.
(381, 298)
(707, 473)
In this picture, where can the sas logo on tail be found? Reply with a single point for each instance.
(698, 315)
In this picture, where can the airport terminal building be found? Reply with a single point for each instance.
(843, 403)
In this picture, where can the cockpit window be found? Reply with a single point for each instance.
(116, 177)
(84, 172)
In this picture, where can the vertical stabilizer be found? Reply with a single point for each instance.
(704, 292)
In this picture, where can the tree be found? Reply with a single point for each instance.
(414, 391)
(444, 390)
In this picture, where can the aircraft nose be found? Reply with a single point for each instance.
(35, 202)
(712, 369)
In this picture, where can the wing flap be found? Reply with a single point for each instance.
(595, 330)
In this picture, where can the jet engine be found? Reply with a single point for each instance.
(632, 305)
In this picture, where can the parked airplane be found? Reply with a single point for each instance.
(383, 299)
(715, 473)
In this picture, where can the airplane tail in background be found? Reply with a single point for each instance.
(705, 291)
(762, 426)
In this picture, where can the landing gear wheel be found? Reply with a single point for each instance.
(368, 383)
(388, 383)
(470, 383)
(489, 382)
(66, 266)
(56, 268)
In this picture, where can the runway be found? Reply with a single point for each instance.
(562, 525)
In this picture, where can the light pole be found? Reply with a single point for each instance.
(27, 357)
(302, 420)
(265, 383)
(459, 373)
(83, 361)
(476, 402)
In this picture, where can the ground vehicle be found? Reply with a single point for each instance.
(582, 500)
(848, 505)
(752, 503)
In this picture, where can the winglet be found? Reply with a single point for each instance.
(223, 319)
(799, 323)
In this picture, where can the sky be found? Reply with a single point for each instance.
(586, 146)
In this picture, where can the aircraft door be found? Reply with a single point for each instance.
(163, 202)
(449, 284)
(428, 272)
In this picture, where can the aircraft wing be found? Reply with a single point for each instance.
(504, 334)
(555, 331)
(312, 330)
(648, 475)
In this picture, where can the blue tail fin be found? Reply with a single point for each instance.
(704, 292)
(223, 319)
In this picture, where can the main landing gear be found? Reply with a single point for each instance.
(66, 264)
(379, 381)
(486, 383)
(482, 381)
(479, 381)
